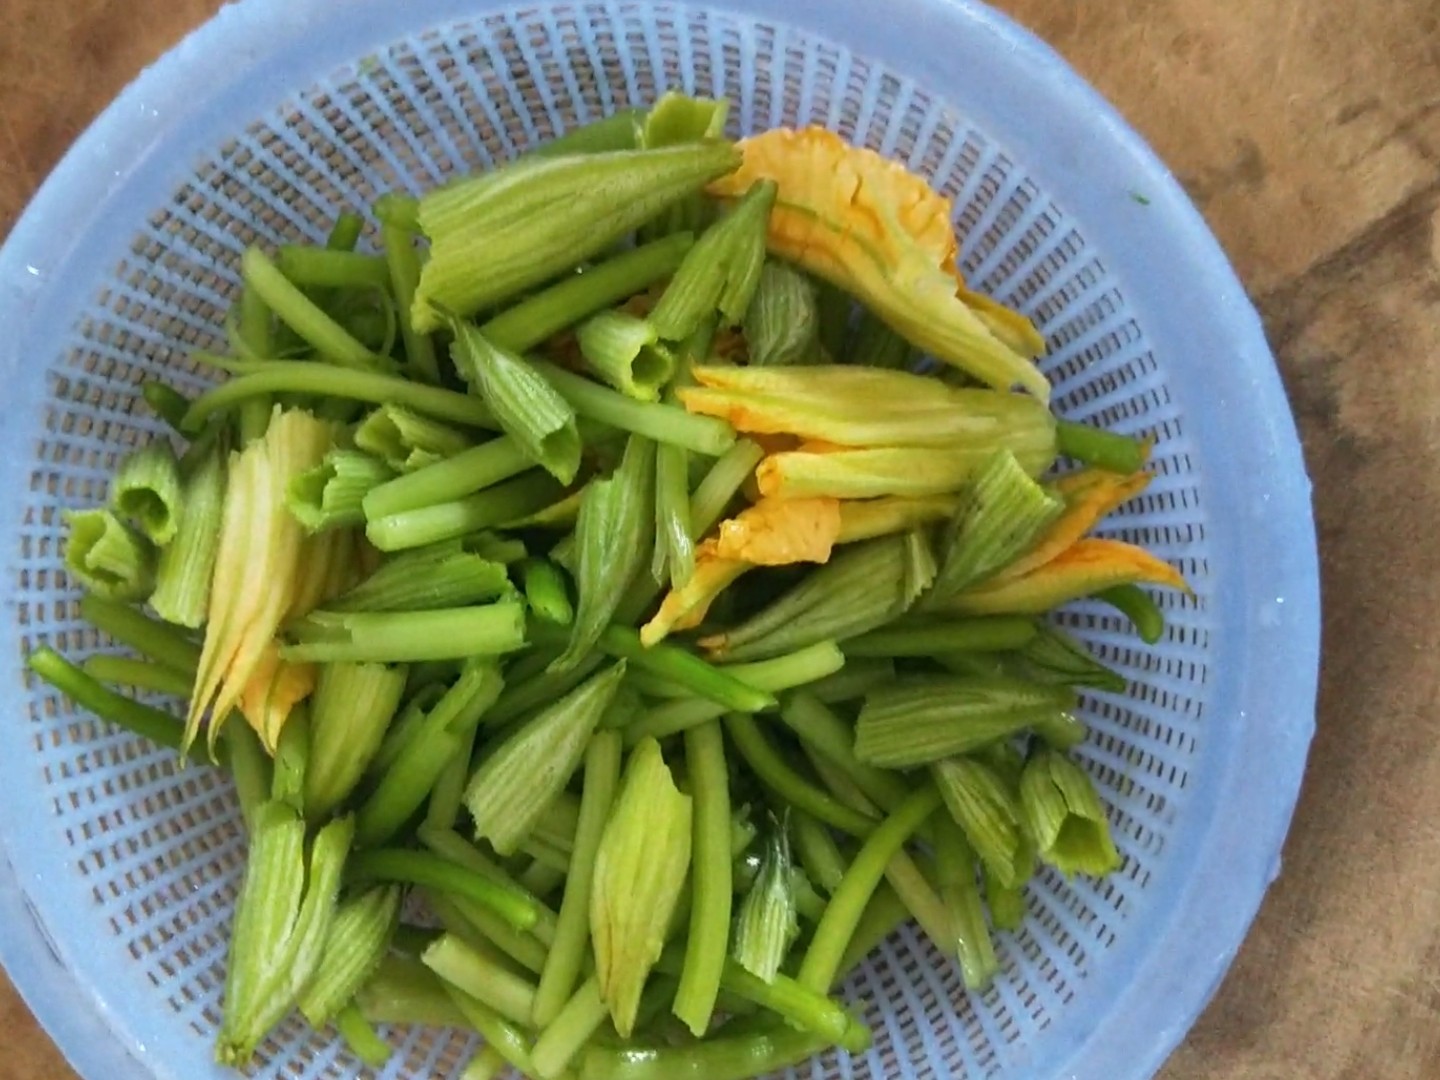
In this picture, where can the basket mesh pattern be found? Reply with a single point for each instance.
(159, 846)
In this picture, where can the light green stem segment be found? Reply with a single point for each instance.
(572, 934)
(107, 557)
(822, 960)
(147, 490)
(706, 947)
(625, 352)
(304, 316)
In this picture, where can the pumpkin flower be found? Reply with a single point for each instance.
(1082, 569)
(868, 226)
(275, 687)
(778, 531)
(1090, 495)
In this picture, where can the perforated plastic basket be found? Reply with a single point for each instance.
(121, 868)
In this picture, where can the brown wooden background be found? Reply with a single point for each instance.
(1309, 133)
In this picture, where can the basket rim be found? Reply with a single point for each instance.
(1150, 1001)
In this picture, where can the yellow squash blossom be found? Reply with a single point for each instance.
(274, 689)
(686, 607)
(883, 235)
(1089, 494)
(258, 564)
(1082, 569)
(778, 532)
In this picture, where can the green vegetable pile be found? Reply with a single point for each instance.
(450, 575)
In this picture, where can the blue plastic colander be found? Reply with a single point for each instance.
(121, 868)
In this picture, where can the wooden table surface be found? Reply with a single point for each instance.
(1308, 131)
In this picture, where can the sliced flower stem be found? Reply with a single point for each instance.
(322, 380)
(1100, 448)
(706, 947)
(788, 785)
(827, 947)
(999, 633)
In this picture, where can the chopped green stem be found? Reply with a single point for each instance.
(1139, 607)
(329, 495)
(565, 1035)
(345, 233)
(1000, 633)
(449, 844)
(250, 767)
(819, 854)
(790, 786)
(856, 679)
(674, 534)
(721, 484)
(506, 1039)
(961, 892)
(431, 871)
(186, 568)
(403, 265)
(331, 268)
(448, 795)
(685, 710)
(1100, 448)
(533, 320)
(827, 947)
(303, 315)
(487, 1064)
(482, 978)
(884, 914)
(405, 991)
(167, 402)
(463, 474)
(624, 351)
(139, 674)
(482, 928)
(157, 726)
(546, 591)
(706, 946)
(568, 952)
(147, 490)
(833, 741)
(420, 761)
(734, 1057)
(679, 666)
(408, 636)
(663, 423)
(323, 380)
(362, 1039)
(486, 509)
(106, 556)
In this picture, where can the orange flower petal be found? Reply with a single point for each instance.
(778, 532)
(869, 226)
(273, 690)
(685, 608)
(1084, 568)
(1089, 494)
